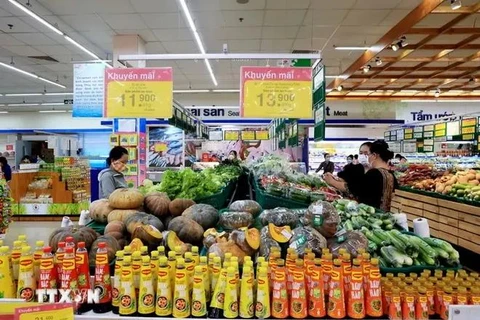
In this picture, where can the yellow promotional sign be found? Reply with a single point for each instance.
(61, 311)
(232, 135)
(248, 135)
(261, 135)
(138, 93)
(276, 92)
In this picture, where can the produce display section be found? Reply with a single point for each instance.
(454, 222)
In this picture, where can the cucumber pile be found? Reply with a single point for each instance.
(464, 190)
(396, 250)
(356, 216)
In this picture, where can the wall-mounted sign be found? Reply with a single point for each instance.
(231, 135)
(248, 135)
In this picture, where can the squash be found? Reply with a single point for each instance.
(280, 234)
(116, 229)
(112, 248)
(204, 214)
(136, 244)
(220, 248)
(210, 237)
(148, 234)
(120, 214)
(187, 230)
(99, 210)
(141, 218)
(246, 239)
(126, 198)
(79, 234)
(249, 206)
(463, 179)
(234, 220)
(171, 241)
(471, 176)
(157, 204)
(177, 206)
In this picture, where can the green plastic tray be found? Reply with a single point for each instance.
(268, 201)
(219, 200)
(98, 227)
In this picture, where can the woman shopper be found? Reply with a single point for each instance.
(112, 178)
(351, 171)
(377, 185)
(5, 169)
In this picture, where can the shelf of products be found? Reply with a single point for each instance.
(338, 151)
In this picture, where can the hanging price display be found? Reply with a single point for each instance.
(138, 93)
(232, 135)
(248, 135)
(440, 130)
(276, 92)
(261, 135)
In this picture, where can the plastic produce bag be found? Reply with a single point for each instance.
(279, 217)
(246, 206)
(307, 237)
(322, 216)
(266, 243)
(352, 241)
(234, 220)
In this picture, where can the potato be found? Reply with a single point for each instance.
(474, 182)
(471, 176)
(462, 179)
(477, 176)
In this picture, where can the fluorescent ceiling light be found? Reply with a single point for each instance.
(187, 14)
(192, 91)
(3, 111)
(352, 48)
(226, 90)
(58, 93)
(442, 100)
(36, 17)
(8, 66)
(22, 94)
(53, 104)
(52, 111)
(78, 45)
(22, 104)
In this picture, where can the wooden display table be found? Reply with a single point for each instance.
(454, 222)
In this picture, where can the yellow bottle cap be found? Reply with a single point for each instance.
(231, 271)
(211, 255)
(172, 254)
(356, 262)
(127, 260)
(180, 262)
(428, 285)
(17, 243)
(203, 260)
(154, 254)
(4, 249)
(454, 284)
(466, 284)
(146, 259)
(39, 243)
(374, 261)
(26, 249)
(194, 249)
(409, 289)
(337, 262)
(299, 262)
(247, 269)
(228, 255)
(474, 274)
(161, 249)
(188, 256)
(127, 249)
(401, 275)
(341, 251)
(447, 289)
(143, 248)
(390, 275)
(346, 256)
(413, 275)
(22, 237)
(163, 261)
(396, 290)
(462, 290)
(475, 290)
(366, 256)
(280, 262)
(408, 280)
(198, 269)
(217, 260)
(234, 259)
(136, 254)
(422, 290)
(119, 254)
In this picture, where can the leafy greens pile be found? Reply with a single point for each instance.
(189, 184)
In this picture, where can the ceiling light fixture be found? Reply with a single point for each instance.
(367, 68)
(23, 94)
(53, 104)
(22, 104)
(401, 43)
(58, 93)
(378, 61)
(455, 4)
(52, 111)
(187, 14)
(395, 47)
(226, 90)
(192, 91)
(437, 93)
(352, 48)
(8, 66)
(340, 88)
(3, 111)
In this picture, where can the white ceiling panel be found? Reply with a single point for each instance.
(284, 17)
(394, 17)
(244, 45)
(336, 4)
(250, 18)
(56, 50)
(279, 32)
(124, 21)
(230, 33)
(234, 5)
(173, 34)
(145, 34)
(365, 17)
(35, 38)
(318, 31)
(154, 6)
(18, 25)
(86, 22)
(208, 19)
(324, 17)
(288, 4)
(277, 45)
(163, 20)
(180, 47)
(6, 40)
(66, 7)
(154, 47)
(4, 13)
(24, 50)
(375, 4)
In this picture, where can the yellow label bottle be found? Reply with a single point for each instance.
(136, 266)
(262, 308)
(146, 297)
(23, 240)
(214, 275)
(161, 251)
(181, 295)
(199, 299)
(37, 255)
(218, 298)
(206, 277)
(16, 253)
(230, 307)
(154, 265)
(190, 267)
(26, 278)
(172, 265)
(164, 289)
(246, 293)
(234, 264)
(116, 281)
(195, 255)
(128, 300)
(7, 289)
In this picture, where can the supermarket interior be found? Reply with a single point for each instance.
(239, 159)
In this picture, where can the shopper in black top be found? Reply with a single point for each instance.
(351, 171)
(327, 166)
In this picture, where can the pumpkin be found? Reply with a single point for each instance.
(148, 234)
(177, 206)
(79, 234)
(203, 214)
(171, 241)
(186, 229)
(112, 248)
(116, 229)
(126, 198)
(120, 215)
(234, 220)
(99, 210)
(136, 244)
(211, 236)
(157, 203)
(249, 206)
(222, 247)
(246, 239)
(141, 218)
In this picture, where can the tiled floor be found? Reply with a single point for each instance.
(37, 230)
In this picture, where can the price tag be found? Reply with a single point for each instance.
(276, 92)
(467, 137)
(408, 131)
(60, 311)
(248, 135)
(429, 127)
(468, 130)
(408, 136)
(138, 93)
(232, 135)
(261, 135)
(440, 133)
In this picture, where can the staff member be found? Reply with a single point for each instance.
(326, 166)
(112, 178)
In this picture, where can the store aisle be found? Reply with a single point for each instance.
(38, 230)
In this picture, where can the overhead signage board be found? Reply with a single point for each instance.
(248, 135)
(276, 92)
(261, 135)
(138, 93)
(232, 135)
(88, 90)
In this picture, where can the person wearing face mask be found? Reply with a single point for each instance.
(112, 178)
(232, 158)
(377, 185)
(351, 171)
(327, 166)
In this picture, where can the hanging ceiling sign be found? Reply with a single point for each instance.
(276, 92)
(138, 93)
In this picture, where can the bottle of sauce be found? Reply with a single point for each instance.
(16, 254)
(336, 296)
(327, 267)
(37, 255)
(462, 296)
(356, 299)
(475, 296)
(298, 301)
(70, 243)
(215, 275)
(246, 293)
(272, 263)
(262, 308)
(279, 291)
(59, 257)
(23, 240)
(195, 255)
(230, 307)
(374, 291)
(102, 280)
(164, 303)
(316, 292)
(408, 304)
(438, 296)
(430, 296)
(366, 269)
(69, 276)
(206, 276)
(128, 300)
(421, 304)
(181, 295)
(199, 299)
(116, 281)
(395, 307)
(26, 277)
(211, 255)
(7, 289)
(144, 251)
(218, 298)
(154, 265)
(161, 251)
(347, 273)
(190, 267)
(386, 296)
(172, 266)
(136, 266)
(83, 273)
(308, 265)
(146, 297)
(447, 300)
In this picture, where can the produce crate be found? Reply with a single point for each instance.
(268, 201)
(219, 200)
(98, 227)
(441, 196)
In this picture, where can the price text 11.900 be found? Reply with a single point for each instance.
(133, 99)
(272, 99)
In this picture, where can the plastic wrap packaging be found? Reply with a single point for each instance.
(307, 237)
(266, 243)
(279, 217)
(222, 247)
(352, 241)
(246, 206)
(323, 217)
(234, 220)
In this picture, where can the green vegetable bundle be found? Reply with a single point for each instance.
(356, 216)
